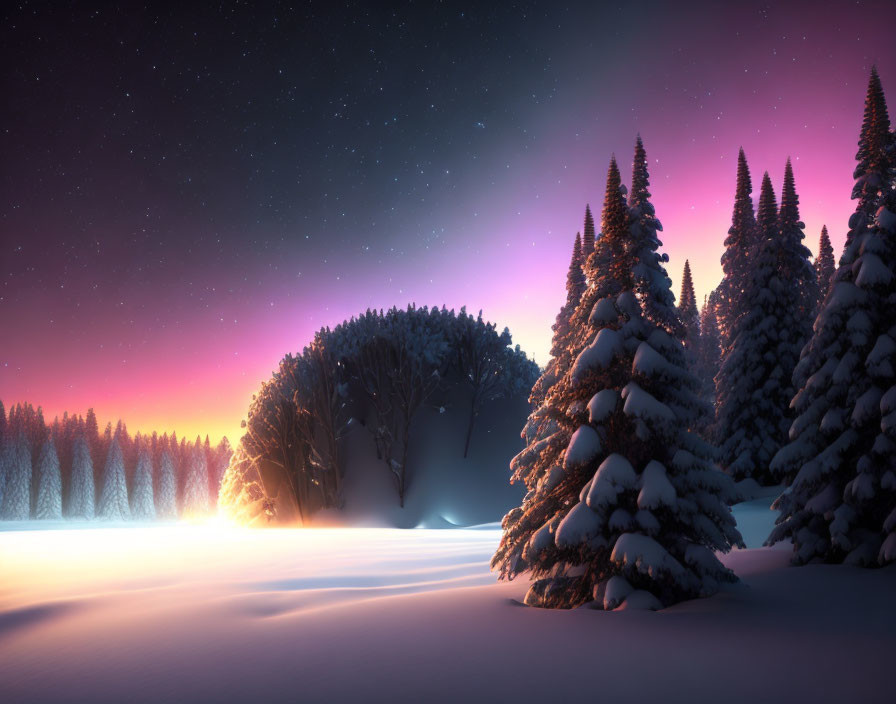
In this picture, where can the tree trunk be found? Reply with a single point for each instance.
(402, 479)
(473, 415)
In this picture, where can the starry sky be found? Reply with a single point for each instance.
(189, 193)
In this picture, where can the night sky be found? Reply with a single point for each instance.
(188, 194)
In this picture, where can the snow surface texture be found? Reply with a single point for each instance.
(114, 613)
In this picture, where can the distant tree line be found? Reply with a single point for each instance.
(380, 369)
(69, 469)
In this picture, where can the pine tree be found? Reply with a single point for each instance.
(211, 470)
(737, 263)
(841, 506)
(223, 453)
(195, 501)
(81, 495)
(49, 483)
(167, 496)
(7, 458)
(624, 505)
(3, 422)
(690, 317)
(754, 384)
(650, 281)
(824, 266)
(797, 271)
(709, 357)
(575, 286)
(142, 500)
(113, 503)
(17, 492)
(872, 172)
(182, 465)
(589, 237)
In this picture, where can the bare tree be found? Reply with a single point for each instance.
(483, 362)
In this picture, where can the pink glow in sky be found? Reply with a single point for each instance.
(169, 315)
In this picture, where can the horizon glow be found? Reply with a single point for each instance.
(166, 304)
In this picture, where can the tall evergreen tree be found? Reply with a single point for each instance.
(195, 501)
(872, 173)
(709, 357)
(143, 506)
(754, 383)
(7, 461)
(737, 263)
(113, 503)
(81, 495)
(589, 237)
(687, 301)
(824, 266)
(690, 316)
(3, 422)
(624, 506)
(575, 286)
(223, 453)
(167, 497)
(49, 483)
(839, 463)
(540, 424)
(797, 271)
(17, 492)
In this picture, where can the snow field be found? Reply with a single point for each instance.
(210, 613)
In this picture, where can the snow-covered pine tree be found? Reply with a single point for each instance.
(794, 259)
(17, 492)
(81, 495)
(562, 327)
(839, 464)
(541, 424)
(5, 462)
(4, 441)
(690, 316)
(737, 263)
(195, 499)
(143, 507)
(113, 503)
(624, 507)
(166, 503)
(824, 266)
(92, 436)
(49, 483)
(754, 384)
(184, 454)
(575, 286)
(223, 453)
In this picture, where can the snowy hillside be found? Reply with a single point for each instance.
(188, 613)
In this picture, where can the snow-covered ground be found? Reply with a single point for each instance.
(168, 613)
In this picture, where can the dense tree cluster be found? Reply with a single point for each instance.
(69, 469)
(627, 503)
(777, 305)
(379, 369)
(624, 506)
(840, 463)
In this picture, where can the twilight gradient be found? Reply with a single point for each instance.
(186, 197)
